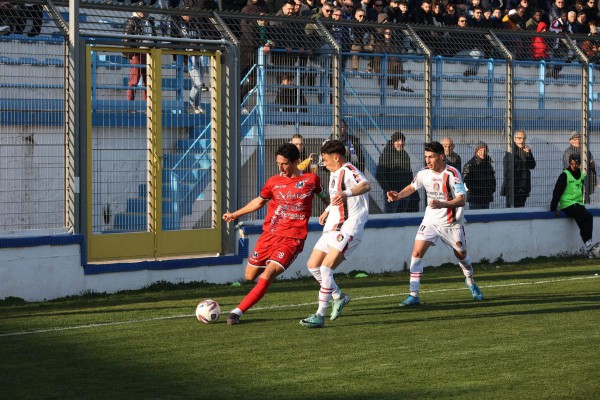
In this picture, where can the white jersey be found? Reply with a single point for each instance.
(443, 186)
(351, 216)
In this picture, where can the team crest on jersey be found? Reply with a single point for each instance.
(436, 186)
(332, 183)
(300, 184)
(340, 237)
(255, 254)
(459, 245)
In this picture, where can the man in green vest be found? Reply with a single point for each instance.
(568, 197)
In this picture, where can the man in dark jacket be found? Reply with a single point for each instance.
(479, 178)
(522, 160)
(394, 171)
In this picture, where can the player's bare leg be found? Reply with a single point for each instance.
(252, 271)
(272, 271)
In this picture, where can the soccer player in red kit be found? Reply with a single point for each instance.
(289, 195)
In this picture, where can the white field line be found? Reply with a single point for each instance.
(137, 321)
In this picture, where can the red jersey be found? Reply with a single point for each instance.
(290, 204)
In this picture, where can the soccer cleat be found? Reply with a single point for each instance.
(475, 292)
(233, 319)
(410, 300)
(313, 321)
(338, 306)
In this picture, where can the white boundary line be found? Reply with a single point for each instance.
(137, 321)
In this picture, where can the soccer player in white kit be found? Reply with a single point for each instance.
(344, 221)
(443, 218)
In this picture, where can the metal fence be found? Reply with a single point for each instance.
(302, 76)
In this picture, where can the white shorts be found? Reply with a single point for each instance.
(452, 236)
(340, 241)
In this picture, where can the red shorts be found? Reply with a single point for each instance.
(281, 250)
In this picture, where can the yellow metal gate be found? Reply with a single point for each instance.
(153, 179)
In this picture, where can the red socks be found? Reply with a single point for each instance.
(255, 294)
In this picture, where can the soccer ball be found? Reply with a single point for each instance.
(208, 311)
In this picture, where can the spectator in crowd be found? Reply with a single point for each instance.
(539, 48)
(496, 21)
(580, 25)
(393, 11)
(374, 12)
(393, 172)
(556, 10)
(511, 20)
(452, 159)
(559, 50)
(139, 24)
(567, 196)
(575, 148)
(479, 178)
(443, 219)
(347, 10)
(290, 97)
(362, 39)
(423, 15)
(590, 47)
(354, 151)
(591, 11)
(477, 19)
(438, 11)
(385, 43)
(191, 28)
(404, 16)
(450, 17)
(519, 162)
(526, 10)
(473, 51)
(293, 44)
(532, 23)
(298, 141)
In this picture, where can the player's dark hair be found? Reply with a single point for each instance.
(334, 147)
(434, 147)
(289, 151)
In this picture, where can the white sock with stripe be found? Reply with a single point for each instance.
(328, 286)
(416, 271)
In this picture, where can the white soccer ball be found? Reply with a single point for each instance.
(595, 251)
(208, 311)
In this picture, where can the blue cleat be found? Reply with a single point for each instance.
(475, 291)
(313, 321)
(410, 300)
(338, 306)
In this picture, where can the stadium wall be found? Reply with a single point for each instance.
(49, 267)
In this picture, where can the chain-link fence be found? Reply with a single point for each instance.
(312, 78)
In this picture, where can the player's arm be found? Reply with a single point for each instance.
(392, 195)
(458, 201)
(362, 188)
(324, 196)
(254, 204)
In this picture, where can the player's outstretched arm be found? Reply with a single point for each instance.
(392, 195)
(254, 204)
